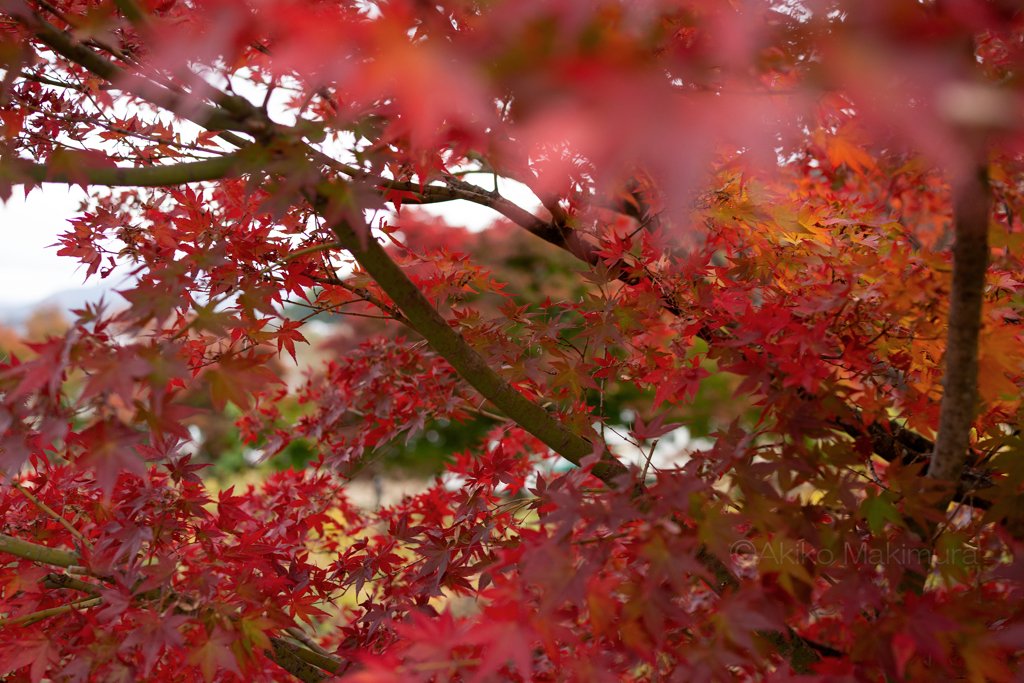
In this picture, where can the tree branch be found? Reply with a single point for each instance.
(556, 234)
(52, 612)
(960, 380)
(37, 553)
(152, 176)
(182, 104)
(287, 656)
(450, 345)
(304, 664)
(64, 581)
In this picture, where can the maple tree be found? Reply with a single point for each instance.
(821, 200)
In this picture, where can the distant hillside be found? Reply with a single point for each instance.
(64, 301)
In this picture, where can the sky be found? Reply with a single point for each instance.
(30, 269)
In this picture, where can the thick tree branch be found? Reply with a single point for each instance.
(549, 231)
(64, 581)
(287, 656)
(152, 176)
(960, 380)
(472, 193)
(896, 444)
(450, 345)
(36, 552)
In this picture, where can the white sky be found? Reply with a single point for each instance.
(30, 269)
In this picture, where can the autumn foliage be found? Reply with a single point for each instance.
(818, 201)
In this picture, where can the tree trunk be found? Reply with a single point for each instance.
(960, 382)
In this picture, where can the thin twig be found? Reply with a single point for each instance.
(52, 612)
(310, 250)
(49, 511)
(643, 477)
(51, 82)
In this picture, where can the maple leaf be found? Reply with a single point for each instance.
(653, 429)
(154, 633)
(215, 652)
(575, 376)
(304, 607)
(36, 651)
(677, 384)
(236, 378)
(843, 148)
(116, 373)
(107, 447)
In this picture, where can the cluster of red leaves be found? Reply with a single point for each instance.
(801, 245)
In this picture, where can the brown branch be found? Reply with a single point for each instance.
(893, 443)
(366, 296)
(55, 580)
(311, 644)
(288, 657)
(450, 345)
(51, 82)
(556, 234)
(149, 176)
(77, 25)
